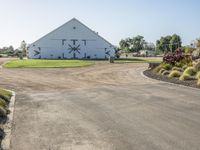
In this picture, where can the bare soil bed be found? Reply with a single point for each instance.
(151, 74)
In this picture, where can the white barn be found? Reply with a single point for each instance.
(73, 40)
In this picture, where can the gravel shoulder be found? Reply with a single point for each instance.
(101, 107)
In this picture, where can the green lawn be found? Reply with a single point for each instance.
(138, 60)
(47, 63)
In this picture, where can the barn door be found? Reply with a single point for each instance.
(74, 48)
(74, 55)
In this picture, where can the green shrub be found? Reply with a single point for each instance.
(3, 112)
(185, 76)
(5, 95)
(3, 103)
(198, 82)
(166, 72)
(166, 66)
(4, 92)
(6, 98)
(190, 71)
(197, 66)
(161, 71)
(187, 60)
(198, 75)
(190, 64)
(178, 69)
(174, 73)
(162, 67)
(157, 69)
(184, 67)
(179, 64)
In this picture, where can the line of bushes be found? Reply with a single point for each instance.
(5, 97)
(179, 65)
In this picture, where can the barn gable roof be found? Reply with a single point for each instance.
(74, 19)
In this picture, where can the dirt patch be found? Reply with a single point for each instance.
(101, 107)
(190, 83)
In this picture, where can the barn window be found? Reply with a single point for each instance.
(84, 42)
(63, 41)
(74, 28)
(74, 41)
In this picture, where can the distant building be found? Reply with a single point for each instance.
(73, 40)
(147, 53)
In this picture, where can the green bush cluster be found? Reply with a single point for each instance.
(179, 65)
(184, 67)
(166, 66)
(190, 71)
(177, 69)
(188, 74)
(157, 69)
(161, 71)
(162, 68)
(186, 77)
(198, 75)
(174, 73)
(166, 72)
(4, 102)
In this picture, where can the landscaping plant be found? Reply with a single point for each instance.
(174, 73)
(197, 66)
(162, 67)
(4, 102)
(161, 71)
(166, 72)
(188, 74)
(172, 58)
(198, 82)
(178, 69)
(178, 59)
(190, 71)
(198, 75)
(180, 65)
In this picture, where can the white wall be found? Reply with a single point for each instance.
(51, 46)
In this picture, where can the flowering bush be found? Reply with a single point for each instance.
(173, 58)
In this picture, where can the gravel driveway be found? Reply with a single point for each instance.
(101, 107)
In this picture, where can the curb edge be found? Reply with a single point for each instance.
(8, 126)
(160, 81)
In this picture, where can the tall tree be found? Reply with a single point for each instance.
(149, 46)
(134, 44)
(163, 44)
(168, 43)
(175, 42)
(23, 47)
(124, 45)
(138, 43)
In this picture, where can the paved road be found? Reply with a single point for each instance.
(102, 107)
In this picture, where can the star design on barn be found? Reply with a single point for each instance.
(107, 52)
(37, 52)
(74, 49)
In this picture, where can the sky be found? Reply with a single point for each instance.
(113, 19)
